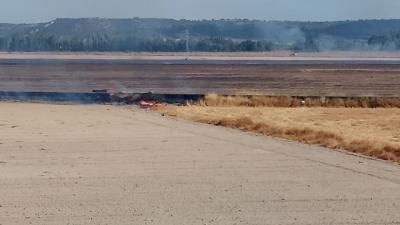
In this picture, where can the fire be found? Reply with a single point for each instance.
(149, 104)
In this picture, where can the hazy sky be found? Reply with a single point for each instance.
(17, 11)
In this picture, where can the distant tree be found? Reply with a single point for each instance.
(13, 46)
(248, 46)
(3, 44)
(390, 41)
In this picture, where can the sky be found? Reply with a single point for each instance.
(32, 11)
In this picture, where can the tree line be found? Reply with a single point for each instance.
(104, 43)
(101, 43)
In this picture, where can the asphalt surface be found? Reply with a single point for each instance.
(120, 165)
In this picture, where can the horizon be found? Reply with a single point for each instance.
(27, 11)
(209, 19)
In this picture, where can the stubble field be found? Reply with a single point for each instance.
(261, 79)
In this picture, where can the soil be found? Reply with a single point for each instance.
(380, 80)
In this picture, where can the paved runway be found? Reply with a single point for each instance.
(93, 164)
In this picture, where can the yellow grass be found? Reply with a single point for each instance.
(373, 132)
(288, 101)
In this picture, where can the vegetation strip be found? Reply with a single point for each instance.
(299, 101)
(310, 136)
(368, 131)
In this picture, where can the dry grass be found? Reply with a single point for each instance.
(288, 101)
(372, 132)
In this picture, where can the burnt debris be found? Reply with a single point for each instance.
(97, 97)
(83, 98)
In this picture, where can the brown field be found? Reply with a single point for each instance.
(267, 79)
(200, 55)
(298, 101)
(372, 132)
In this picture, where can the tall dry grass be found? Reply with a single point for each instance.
(371, 132)
(311, 136)
(289, 101)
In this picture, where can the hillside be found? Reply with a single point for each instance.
(95, 34)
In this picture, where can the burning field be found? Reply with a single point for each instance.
(354, 85)
(96, 158)
(370, 131)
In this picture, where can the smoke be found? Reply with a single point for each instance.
(332, 43)
(280, 33)
(333, 36)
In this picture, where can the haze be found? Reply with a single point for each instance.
(28, 11)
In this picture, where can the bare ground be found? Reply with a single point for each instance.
(309, 80)
(75, 164)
